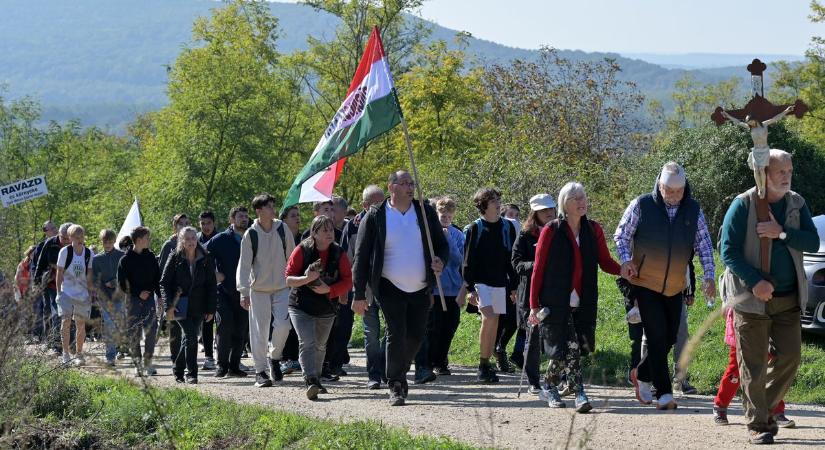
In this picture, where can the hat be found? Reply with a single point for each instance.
(541, 201)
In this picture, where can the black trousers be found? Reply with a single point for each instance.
(337, 354)
(507, 326)
(406, 317)
(442, 326)
(660, 321)
(187, 356)
(208, 337)
(290, 352)
(233, 328)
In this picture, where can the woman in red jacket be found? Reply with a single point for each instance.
(564, 287)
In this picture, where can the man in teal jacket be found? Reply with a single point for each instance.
(767, 306)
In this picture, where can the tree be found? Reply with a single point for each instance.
(694, 101)
(236, 122)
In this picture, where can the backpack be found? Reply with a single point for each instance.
(479, 223)
(253, 237)
(87, 255)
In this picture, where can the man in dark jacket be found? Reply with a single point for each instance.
(47, 266)
(232, 319)
(393, 258)
(656, 239)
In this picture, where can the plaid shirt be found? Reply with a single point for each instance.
(702, 243)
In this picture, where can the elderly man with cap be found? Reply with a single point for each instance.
(656, 239)
(528, 352)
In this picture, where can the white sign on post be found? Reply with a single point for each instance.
(23, 191)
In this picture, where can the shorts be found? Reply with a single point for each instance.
(75, 308)
(492, 296)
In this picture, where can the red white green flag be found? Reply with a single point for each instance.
(369, 110)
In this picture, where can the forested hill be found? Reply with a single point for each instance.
(104, 61)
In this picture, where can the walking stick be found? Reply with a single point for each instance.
(524, 363)
(421, 205)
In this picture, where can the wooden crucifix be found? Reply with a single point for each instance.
(756, 116)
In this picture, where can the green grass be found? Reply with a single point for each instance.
(609, 363)
(109, 412)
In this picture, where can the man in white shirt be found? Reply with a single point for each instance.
(392, 257)
(73, 299)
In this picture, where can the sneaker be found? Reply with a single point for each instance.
(120, 355)
(235, 373)
(442, 371)
(666, 402)
(397, 396)
(427, 377)
(208, 364)
(313, 388)
(262, 380)
(322, 389)
(275, 370)
(79, 360)
(65, 359)
(534, 389)
(783, 422)
(111, 363)
(179, 378)
(503, 363)
(486, 374)
(286, 368)
(720, 415)
(327, 376)
(684, 387)
(373, 385)
(582, 402)
(552, 397)
(642, 389)
(221, 372)
(565, 389)
(245, 368)
(191, 380)
(339, 371)
(149, 369)
(760, 437)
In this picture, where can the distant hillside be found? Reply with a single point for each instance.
(103, 61)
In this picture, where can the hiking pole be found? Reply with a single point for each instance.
(524, 363)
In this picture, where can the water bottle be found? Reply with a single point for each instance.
(543, 313)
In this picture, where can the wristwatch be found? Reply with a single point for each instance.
(783, 235)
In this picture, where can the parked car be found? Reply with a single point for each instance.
(813, 316)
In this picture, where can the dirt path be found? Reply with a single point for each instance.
(492, 416)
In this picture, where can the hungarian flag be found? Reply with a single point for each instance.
(369, 110)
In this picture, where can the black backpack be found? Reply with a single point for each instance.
(87, 255)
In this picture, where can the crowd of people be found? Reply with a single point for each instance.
(289, 296)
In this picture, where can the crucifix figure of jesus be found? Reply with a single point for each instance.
(756, 116)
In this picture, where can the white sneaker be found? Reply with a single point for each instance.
(79, 360)
(65, 358)
(150, 369)
(642, 388)
(666, 402)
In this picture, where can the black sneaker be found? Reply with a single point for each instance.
(503, 363)
(425, 377)
(373, 385)
(442, 371)
(321, 388)
(179, 378)
(760, 437)
(275, 370)
(339, 371)
(329, 376)
(191, 380)
(221, 372)
(236, 373)
(262, 380)
(313, 388)
(397, 395)
(486, 374)
(720, 416)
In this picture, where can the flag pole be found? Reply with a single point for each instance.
(421, 204)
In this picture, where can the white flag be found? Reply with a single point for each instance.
(132, 221)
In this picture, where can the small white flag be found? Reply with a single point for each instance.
(132, 221)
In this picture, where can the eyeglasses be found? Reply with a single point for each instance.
(406, 184)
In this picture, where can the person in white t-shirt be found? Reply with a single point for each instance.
(73, 299)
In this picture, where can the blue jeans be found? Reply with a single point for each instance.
(114, 329)
(373, 344)
(142, 323)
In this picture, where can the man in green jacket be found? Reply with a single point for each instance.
(767, 305)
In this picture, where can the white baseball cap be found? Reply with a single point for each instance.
(541, 201)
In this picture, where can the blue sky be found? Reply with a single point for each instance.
(635, 26)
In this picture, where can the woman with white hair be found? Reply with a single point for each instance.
(564, 292)
(188, 287)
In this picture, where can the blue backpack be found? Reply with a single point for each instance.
(479, 225)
